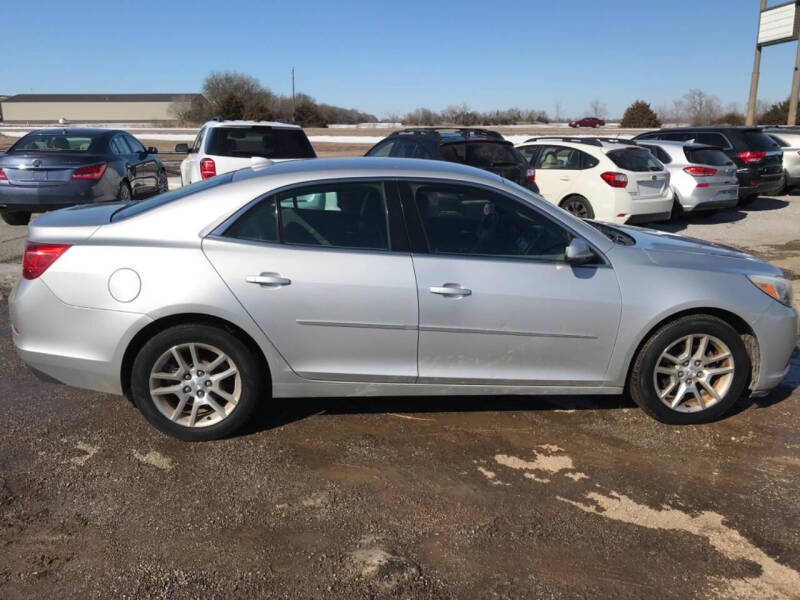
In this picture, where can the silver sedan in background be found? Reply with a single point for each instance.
(387, 277)
(788, 138)
(702, 177)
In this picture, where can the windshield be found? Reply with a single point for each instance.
(757, 140)
(136, 208)
(55, 142)
(263, 141)
(612, 233)
(635, 159)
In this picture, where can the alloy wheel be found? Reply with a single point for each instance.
(195, 385)
(577, 208)
(694, 373)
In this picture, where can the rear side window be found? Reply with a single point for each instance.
(716, 158)
(263, 141)
(659, 153)
(758, 140)
(456, 153)
(528, 152)
(136, 208)
(485, 155)
(258, 224)
(54, 142)
(780, 141)
(634, 159)
(712, 139)
(406, 148)
(345, 215)
(382, 149)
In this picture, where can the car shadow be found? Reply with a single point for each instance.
(730, 215)
(283, 412)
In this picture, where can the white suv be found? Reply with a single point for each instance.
(607, 179)
(223, 146)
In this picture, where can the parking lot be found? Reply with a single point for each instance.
(574, 497)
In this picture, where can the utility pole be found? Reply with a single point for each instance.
(751, 103)
(293, 88)
(792, 120)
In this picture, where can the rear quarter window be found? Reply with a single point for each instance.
(634, 159)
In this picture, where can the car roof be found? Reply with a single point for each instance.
(678, 144)
(583, 143)
(449, 135)
(78, 131)
(241, 123)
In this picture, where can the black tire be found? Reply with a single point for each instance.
(252, 381)
(124, 193)
(642, 388)
(677, 212)
(16, 218)
(578, 206)
(162, 183)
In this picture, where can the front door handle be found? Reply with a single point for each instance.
(565, 178)
(268, 280)
(453, 290)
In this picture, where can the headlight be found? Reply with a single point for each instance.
(777, 287)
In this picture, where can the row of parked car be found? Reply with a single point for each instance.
(654, 176)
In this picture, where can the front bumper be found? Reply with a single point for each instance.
(77, 346)
(776, 332)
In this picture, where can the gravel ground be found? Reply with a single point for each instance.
(532, 497)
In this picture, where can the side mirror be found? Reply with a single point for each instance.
(578, 252)
(152, 150)
(182, 148)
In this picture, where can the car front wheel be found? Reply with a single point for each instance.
(196, 382)
(691, 370)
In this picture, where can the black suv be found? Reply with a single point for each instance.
(480, 148)
(758, 159)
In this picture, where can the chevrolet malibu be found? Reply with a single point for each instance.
(387, 277)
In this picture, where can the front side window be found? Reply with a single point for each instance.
(343, 215)
(470, 221)
(134, 144)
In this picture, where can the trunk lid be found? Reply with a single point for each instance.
(73, 224)
(41, 169)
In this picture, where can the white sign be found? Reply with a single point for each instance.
(778, 24)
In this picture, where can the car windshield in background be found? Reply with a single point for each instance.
(136, 208)
(716, 158)
(758, 140)
(635, 159)
(263, 141)
(53, 142)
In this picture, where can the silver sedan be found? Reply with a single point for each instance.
(386, 277)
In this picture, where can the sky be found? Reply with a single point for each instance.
(391, 57)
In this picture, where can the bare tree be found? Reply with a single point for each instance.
(598, 109)
(701, 108)
(559, 106)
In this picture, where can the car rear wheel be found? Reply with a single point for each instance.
(578, 206)
(16, 218)
(124, 194)
(690, 371)
(677, 212)
(196, 382)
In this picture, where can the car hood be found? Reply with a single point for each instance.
(669, 249)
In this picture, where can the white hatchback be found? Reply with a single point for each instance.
(605, 179)
(224, 146)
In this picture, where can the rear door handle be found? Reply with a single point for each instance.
(268, 280)
(451, 290)
(565, 178)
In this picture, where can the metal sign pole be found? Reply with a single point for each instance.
(792, 120)
(751, 103)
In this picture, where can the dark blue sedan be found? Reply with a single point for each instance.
(55, 168)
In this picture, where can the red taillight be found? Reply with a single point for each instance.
(700, 171)
(38, 257)
(752, 157)
(3, 175)
(89, 172)
(617, 180)
(702, 185)
(530, 175)
(207, 168)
